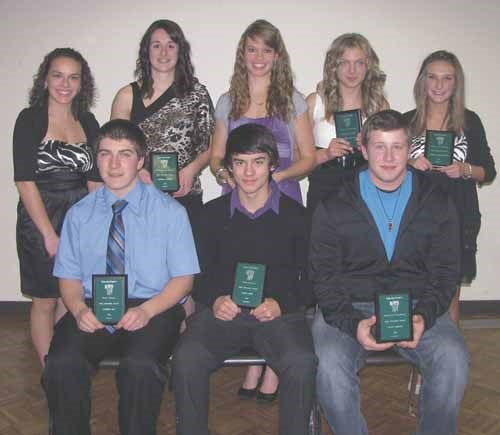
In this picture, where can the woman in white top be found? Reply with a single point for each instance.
(352, 79)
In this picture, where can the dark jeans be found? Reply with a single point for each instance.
(285, 343)
(74, 355)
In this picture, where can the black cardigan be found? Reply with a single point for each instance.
(278, 241)
(30, 129)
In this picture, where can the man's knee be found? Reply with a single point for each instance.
(141, 367)
(301, 364)
(191, 358)
(452, 360)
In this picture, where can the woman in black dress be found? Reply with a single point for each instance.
(171, 106)
(53, 169)
(439, 96)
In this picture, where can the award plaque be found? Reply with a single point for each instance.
(394, 317)
(165, 171)
(348, 125)
(249, 284)
(109, 297)
(439, 147)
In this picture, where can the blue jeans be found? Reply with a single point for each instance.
(441, 356)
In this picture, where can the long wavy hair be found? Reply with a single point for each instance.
(456, 106)
(372, 88)
(280, 92)
(83, 101)
(184, 71)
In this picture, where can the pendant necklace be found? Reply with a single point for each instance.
(390, 218)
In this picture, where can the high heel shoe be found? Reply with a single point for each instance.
(247, 393)
(266, 397)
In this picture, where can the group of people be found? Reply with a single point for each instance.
(383, 218)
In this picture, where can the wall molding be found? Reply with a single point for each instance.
(467, 308)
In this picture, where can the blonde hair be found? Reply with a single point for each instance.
(456, 106)
(372, 88)
(280, 93)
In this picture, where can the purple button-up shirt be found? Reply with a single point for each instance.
(273, 203)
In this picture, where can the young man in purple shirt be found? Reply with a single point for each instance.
(255, 223)
(159, 258)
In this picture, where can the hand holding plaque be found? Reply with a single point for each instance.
(109, 297)
(394, 319)
(249, 284)
(165, 171)
(439, 147)
(348, 125)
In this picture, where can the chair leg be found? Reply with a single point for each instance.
(413, 396)
(315, 420)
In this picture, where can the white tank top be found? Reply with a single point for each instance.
(323, 130)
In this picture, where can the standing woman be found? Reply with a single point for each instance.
(53, 168)
(352, 79)
(262, 92)
(172, 108)
(440, 99)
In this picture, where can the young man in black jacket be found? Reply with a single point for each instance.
(386, 228)
(253, 225)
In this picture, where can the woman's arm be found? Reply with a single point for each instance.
(188, 172)
(30, 196)
(122, 103)
(203, 128)
(305, 143)
(217, 153)
(337, 147)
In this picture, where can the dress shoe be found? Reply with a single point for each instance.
(266, 397)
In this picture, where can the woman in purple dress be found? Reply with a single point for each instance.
(262, 92)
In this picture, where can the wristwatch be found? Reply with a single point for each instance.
(218, 175)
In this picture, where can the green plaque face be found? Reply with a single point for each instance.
(348, 125)
(249, 284)
(394, 319)
(109, 297)
(439, 147)
(165, 171)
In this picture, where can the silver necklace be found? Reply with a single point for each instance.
(390, 224)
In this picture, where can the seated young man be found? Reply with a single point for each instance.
(124, 227)
(386, 228)
(256, 224)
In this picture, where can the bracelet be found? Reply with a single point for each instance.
(218, 176)
(469, 175)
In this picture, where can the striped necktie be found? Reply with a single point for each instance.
(115, 258)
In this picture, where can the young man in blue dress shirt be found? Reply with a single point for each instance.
(159, 261)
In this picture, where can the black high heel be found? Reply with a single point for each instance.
(267, 397)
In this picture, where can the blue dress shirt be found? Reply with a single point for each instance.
(158, 240)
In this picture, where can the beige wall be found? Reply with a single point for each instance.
(108, 32)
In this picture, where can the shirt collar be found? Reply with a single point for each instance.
(133, 198)
(272, 203)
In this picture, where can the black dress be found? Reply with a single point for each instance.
(471, 147)
(60, 171)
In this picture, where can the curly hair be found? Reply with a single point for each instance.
(184, 71)
(280, 93)
(456, 107)
(372, 88)
(85, 98)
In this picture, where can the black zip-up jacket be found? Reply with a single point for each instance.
(348, 262)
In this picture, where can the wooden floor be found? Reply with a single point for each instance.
(23, 409)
